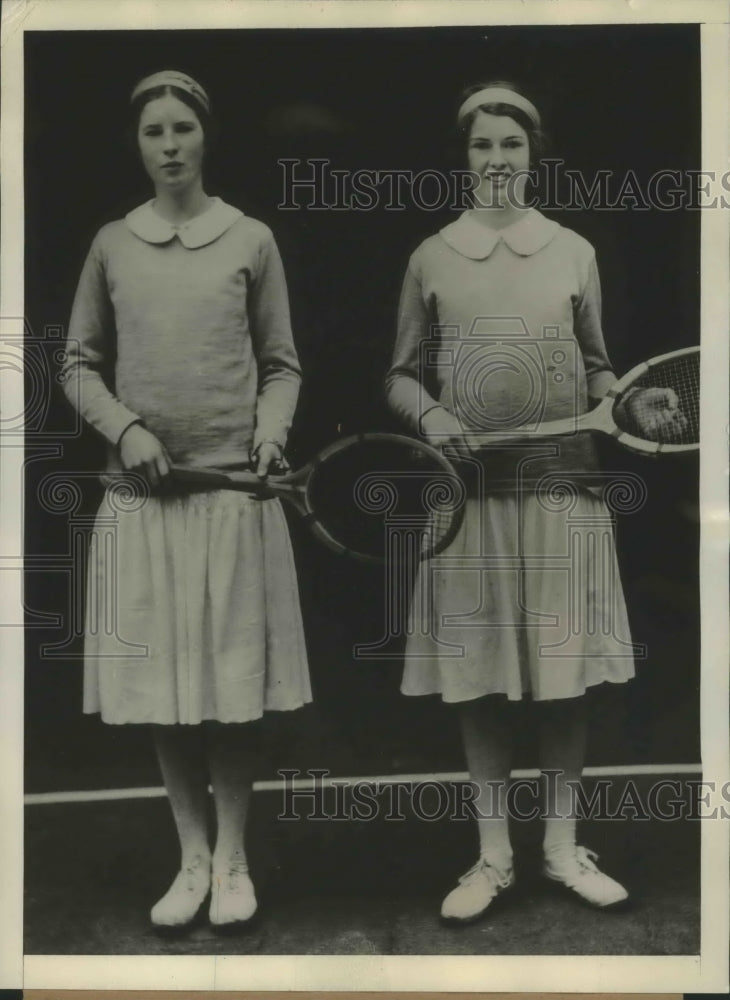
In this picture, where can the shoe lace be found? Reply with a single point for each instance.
(498, 877)
(236, 870)
(575, 862)
(192, 874)
(586, 859)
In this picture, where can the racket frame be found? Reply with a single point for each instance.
(599, 420)
(294, 488)
(636, 444)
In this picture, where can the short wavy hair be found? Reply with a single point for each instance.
(535, 135)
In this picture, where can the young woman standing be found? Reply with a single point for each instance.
(513, 299)
(180, 351)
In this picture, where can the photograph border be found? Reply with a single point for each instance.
(707, 972)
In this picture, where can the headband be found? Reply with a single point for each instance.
(499, 95)
(171, 78)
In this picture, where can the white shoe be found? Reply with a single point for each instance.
(180, 904)
(233, 900)
(575, 868)
(476, 891)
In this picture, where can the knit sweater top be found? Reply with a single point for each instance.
(503, 328)
(186, 330)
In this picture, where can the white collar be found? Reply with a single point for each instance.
(204, 228)
(526, 236)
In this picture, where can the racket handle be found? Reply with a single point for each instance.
(216, 479)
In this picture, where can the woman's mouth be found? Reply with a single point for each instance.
(174, 165)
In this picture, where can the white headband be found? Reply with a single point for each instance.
(499, 95)
(171, 78)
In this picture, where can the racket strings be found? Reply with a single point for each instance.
(662, 404)
(437, 532)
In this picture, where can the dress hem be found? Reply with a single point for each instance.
(511, 697)
(208, 718)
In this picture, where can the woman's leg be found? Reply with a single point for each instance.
(487, 736)
(562, 730)
(233, 753)
(562, 742)
(182, 763)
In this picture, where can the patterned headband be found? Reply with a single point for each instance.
(499, 95)
(171, 78)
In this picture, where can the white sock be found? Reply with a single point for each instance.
(559, 834)
(494, 842)
(493, 825)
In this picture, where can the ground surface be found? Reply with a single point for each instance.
(346, 887)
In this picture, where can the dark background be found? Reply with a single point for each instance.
(614, 97)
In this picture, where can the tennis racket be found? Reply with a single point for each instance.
(370, 496)
(653, 410)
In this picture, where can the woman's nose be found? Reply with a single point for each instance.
(170, 142)
(496, 158)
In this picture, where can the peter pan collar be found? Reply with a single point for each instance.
(203, 229)
(526, 236)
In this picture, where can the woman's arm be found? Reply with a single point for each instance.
(405, 391)
(654, 412)
(90, 349)
(589, 334)
(276, 357)
(89, 352)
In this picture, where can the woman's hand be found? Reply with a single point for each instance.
(143, 453)
(656, 413)
(268, 457)
(443, 430)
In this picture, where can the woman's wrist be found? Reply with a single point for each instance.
(429, 412)
(264, 441)
(134, 423)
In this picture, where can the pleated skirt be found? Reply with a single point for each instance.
(192, 611)
(527, 598)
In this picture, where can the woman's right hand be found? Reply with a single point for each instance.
(443, 430)
(143, 453)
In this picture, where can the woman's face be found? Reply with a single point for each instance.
(499, 153)
(171, 142)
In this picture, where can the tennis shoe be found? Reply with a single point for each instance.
(182, 901)
(233, 899)
(576, 869)
(476, 891)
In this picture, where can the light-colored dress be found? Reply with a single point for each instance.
(192, 605)
(502, 328)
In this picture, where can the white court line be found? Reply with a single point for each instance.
(112, 794)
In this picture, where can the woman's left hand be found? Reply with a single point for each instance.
(267, 458)
(657, 414)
